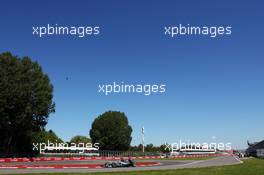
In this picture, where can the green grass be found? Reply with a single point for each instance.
(249, 167)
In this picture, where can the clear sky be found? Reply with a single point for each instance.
(215, 86)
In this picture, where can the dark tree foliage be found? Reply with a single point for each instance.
(46, 137)
(25, 102)
(112, 131)
(80, 139)
(150, 148)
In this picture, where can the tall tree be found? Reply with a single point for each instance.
(112, 131)
(25, 102)
(46, 137)
(80, 139)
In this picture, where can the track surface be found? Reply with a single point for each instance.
(164, 164)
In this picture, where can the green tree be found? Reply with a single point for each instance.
(80, 139)
(112, 131)
(25, 102)
(149, 147)
(45, 136)
(165, 148)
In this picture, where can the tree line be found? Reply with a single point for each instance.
(26, 102)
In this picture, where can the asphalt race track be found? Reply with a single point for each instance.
(96, 165)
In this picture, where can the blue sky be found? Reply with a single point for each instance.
(214, 85)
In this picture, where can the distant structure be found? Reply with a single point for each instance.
(194, 150)
(255, 149)
(143, 138)
(64, 150)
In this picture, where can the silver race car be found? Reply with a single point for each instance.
(120, 163)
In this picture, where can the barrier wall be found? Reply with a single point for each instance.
(6, 160)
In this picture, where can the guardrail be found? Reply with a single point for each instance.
(6, 160)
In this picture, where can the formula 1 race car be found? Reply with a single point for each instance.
(120, 163)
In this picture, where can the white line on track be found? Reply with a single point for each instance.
(240, 161)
